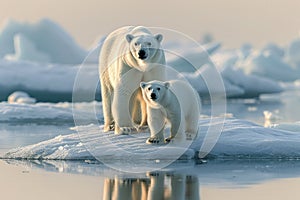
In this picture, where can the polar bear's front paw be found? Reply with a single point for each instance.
(127, 130)
(169, 139)
(154, 140)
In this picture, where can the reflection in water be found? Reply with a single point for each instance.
(155, 186)
(180, 180)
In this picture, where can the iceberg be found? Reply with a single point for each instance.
(44, 41)
(26, 50)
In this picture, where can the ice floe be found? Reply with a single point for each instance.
(239, 139)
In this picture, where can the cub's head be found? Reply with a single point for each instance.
(144, 47)
(154, 91)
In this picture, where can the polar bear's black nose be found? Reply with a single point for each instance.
(153, 96)
(142, 54)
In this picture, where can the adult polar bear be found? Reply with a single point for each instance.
(128, 56)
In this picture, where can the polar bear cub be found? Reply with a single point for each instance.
(178, 103)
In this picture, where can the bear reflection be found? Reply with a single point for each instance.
(157, 186)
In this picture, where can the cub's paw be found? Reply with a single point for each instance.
(110, 127)
(154, 140)
(127, 130)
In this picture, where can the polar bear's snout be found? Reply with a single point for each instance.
(142, 54)
(153, 96)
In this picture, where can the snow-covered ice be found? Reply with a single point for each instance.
(239, 139)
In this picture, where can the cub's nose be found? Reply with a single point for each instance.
(141, 53)
(153, 96)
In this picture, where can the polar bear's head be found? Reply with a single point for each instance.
(154, 91)
(144, 47)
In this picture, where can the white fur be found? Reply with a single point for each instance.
(178, 103)
(122, 70)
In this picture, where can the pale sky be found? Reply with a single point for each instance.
(233, 22)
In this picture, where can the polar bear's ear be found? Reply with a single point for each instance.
(143, 85)
(167, 84)
(129, 37)
(158, 37)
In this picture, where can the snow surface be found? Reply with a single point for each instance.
(44, 41)
(239, 139)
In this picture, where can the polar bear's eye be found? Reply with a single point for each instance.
(149, 88)
(148, 43)
(135, 44)
(158, 88)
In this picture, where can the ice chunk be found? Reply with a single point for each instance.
(20, 97)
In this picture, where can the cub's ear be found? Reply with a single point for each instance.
(143, 85)
(158, 37)
(129, 37)
(167, 84)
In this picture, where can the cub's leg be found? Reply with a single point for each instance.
(177, 127)
(156, 122)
